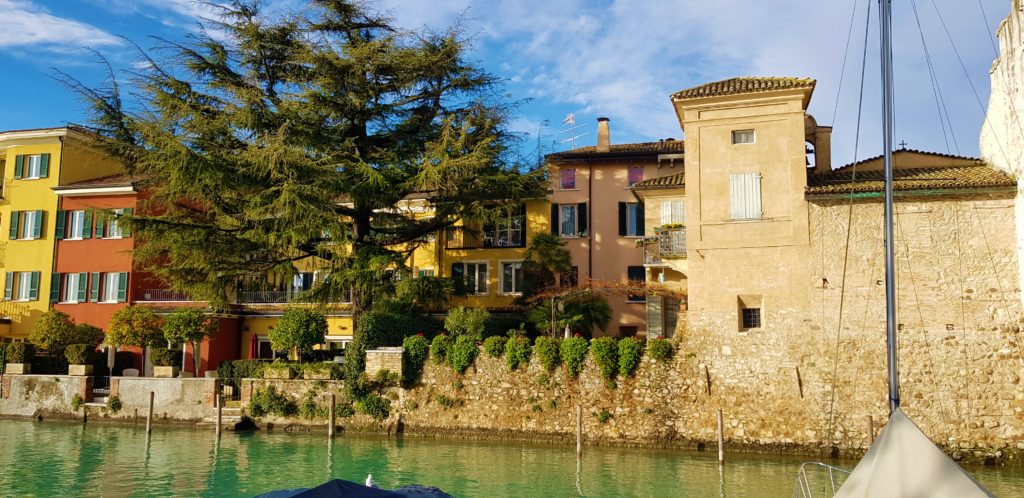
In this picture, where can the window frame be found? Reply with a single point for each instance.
(636, 298)
(476, 278)
(109, 287)
(562, 172)
(75, 232)
(517, 282)
(574, 233)
(69, 293)
(23, 287)
(30, 160)
(751, 319)
(634, 225)
(27, 230)
(114, 230)
(630, 182)
(738, 134)
(738, 183)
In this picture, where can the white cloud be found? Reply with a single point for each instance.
(28, 26)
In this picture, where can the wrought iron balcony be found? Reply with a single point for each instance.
(668, 244)
(164, 295)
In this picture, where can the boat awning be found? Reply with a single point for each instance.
(904, 463)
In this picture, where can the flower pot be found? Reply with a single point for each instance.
(166, 372)
(80, 370)
(18, 369)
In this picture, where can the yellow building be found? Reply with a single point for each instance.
(33, 162)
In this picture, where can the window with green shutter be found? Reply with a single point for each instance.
(94, 288)
(55, 288)
(37, 228)
(122, 287)
(33, 289)
(87, 225)
(61, 220)
(19, 166)
(15, 218)
(83, 282)
(101, 225)
(44, 165)
(9, 286)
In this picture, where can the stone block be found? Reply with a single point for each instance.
(80, 370)
(389, 359)
(18, 369)
(165, 372)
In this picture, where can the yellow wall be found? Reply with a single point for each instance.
(338, 328)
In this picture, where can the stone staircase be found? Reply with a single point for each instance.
(230, 416)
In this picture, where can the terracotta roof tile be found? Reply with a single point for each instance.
(668, 181)
(910, 151)
(955, 177)
(736, 86)
(659, 147)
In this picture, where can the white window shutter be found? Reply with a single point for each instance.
(666, 212)
(745, 196)
(678, 212)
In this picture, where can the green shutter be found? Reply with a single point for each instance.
(19, 166)
(61, 221)
(554, 219)
(126, 227)
(122, 287)
(87, 225)
(37, 230)
(459, 279)
(15, 218)
(83, 283)
(33, 288)
(55, 288)
(101, 224)
(44, 165)
(94, 289)
(9, 286)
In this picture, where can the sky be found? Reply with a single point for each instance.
(620, 59)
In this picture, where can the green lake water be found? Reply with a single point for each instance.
(59, 459)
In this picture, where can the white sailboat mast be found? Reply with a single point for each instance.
(885, 17)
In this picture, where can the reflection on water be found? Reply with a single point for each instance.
(55, 459)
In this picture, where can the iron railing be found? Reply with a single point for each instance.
(668, 244)
(266, 297)
(806, 484)
(164, 295)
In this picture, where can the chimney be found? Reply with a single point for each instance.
(823, 150)
(603, 139)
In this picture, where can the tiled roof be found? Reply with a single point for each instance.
(954, 177)
(660, 147)
(911, 151)
(736, 86)
(669, 181)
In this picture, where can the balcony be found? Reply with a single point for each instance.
(282, 297)
(164, 295)
(668, 244)
(513, 236)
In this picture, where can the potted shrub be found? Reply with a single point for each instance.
(165, 362)
(278, 370)
(19, 358)
(80, 358)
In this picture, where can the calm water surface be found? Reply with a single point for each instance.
(56, 459)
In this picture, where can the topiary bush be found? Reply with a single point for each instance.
(415, 350)
(321, 369)
(606, 355)
(439, 348)
(241, 369)
(375, 406)
(164, 357)
(517, 352)
(659, 349)
(20, 352)
(494, 346)
(547, 352)
(80, 354)
(630, 352)
(467, 321)
(462, 353)
(573, 352)
(269, 401)
(298, 329)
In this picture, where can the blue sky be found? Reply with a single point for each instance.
(616, 58)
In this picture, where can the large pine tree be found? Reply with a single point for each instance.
(266, 141)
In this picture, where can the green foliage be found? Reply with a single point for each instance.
(446, 401)
(517, 352)
(630, 352)
(88, 334)
(552, 404)
(659, 349)
(420, 294)
(543, 380)
(462, 353)
(55, 331)
(309, 409)
(298, 329)
(467, 321)
(386, 378)
(439, 348)
(500, 325)
(375, 406)
(375, 329)
(547, 352)
(344, 409)
(494, 346)
(114, 404)
(267, 401)
(188, 325)
(135, 326)
(321, 369)
(603, 416)
(606, 355)
(588, 310)
(279, 369)
(415, 350)
(77, 402)
(573, 352)
(164, 357)
(80, 354)
(545, 258)
(20, 352)
(241, 369)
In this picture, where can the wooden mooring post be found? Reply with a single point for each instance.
(149, 417)
(220, 412)
(330, 410)
(579, 430)
(871, 430)
(721, 438)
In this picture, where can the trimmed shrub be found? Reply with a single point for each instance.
(89, 334)
(659, 349)
(80, 354)
(517, 352)
(606, 355)
(630, 352)
(439, 348)
(20, 352)
(241, 369)
(494, 346)
(298, 329)
(415, 350)
(573, 352)
(467, 321)
(269, 401)
(462, 353)
(547, 352)
(163, 357)
(375, 406)
(332, 370)
(53, 332)
(281, 366)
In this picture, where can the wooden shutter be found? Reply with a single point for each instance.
(87, 225)
(55, 287)
(37, 229)
(481, 278)
(554, 218)
(44, 165)
(679, 212)
(9, 286)
(122, 287)
(15, 218)
(94, 289)
(33, 288)
(83, 286)
(459, 278)
(622, 219)
(666, 212)
(59, 232)
(581, 219)
(19, 166)
(126, 228)
(641, 222)
(101, 224)
(745, 196)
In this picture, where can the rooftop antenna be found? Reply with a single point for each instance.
(570, 121)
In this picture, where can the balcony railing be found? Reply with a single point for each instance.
(164, 295)
(668, 244)
(281, 297)
(512, 237)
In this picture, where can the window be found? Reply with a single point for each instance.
(512, 277)
(302, 281)
(114, 288)
(568, 178)
(509, 230)
(21, 286)
(743, 137)
(751, 318)
(76, 224)
(570, 278)
(31, 167)
(673, 213)
(70, 288)
(27, 225)
(109, 225)
(32, 164)
(745, 196)
(636, 274)
(635, 175)
(631, 219)
(470, 278)
(569, 220)
(426, 272)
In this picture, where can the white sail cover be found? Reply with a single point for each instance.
(903, 463)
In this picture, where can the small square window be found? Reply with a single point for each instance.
(751, 318)
(743, 137)
(568, 178)
(636, 175)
